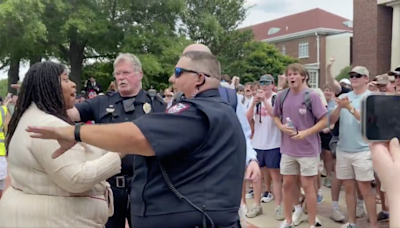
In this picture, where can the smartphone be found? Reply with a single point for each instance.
(380, 117)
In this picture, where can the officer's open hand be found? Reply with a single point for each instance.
(253, 171)
(64, 135)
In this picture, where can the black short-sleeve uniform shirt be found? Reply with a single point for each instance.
(112, 108)
(200, 145)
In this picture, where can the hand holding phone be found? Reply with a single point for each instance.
(380, 117)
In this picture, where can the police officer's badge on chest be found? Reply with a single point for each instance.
(146, 108)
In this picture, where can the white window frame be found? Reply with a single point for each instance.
(303, 50)
(283, 50)
(314, 79)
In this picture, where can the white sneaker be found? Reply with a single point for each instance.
(267, 197)
(337, 215)
(297, 218)
(279, 214)
(242, 215)
(284, 224)
(360, 210)
(317, 221)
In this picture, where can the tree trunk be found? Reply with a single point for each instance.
(35, 59)
(76, 61)
(13, 74)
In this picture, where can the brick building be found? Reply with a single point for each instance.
(376, 43)
(313, 37)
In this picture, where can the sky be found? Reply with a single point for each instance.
(266, 10)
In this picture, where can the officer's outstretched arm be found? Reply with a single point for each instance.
(123, 137)
(181, 129)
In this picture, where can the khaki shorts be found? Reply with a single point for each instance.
(304, 166)
(354, 166)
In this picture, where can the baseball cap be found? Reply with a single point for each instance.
(345, 81)
(393, 73)
(360, 70)
(267, 78)
(383, 79)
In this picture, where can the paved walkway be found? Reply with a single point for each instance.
(266, 220)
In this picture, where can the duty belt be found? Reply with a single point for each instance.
(119, 181)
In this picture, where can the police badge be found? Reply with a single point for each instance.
(146, 108)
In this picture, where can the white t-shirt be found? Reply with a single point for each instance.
(266, 136)
(247, 102)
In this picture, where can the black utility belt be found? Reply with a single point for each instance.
(121, 181)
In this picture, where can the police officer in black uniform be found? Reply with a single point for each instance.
(191, 162)
(116, 107)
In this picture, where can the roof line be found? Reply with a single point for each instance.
(290, 15)
(305, 33)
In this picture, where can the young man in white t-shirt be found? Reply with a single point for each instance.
(248, 95)
(266, 141)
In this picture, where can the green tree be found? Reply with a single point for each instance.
(3, 88)
(258, 58)
(214, 23)
(21, 28)
(155, 40)
(344, 73)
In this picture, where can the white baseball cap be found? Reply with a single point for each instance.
(345, 81)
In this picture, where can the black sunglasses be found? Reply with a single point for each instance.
(179, 71)
(356, 75)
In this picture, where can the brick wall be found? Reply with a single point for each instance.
(372, 36)
(292, 49)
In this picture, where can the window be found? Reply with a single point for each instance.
(273, 31)
(303, 50)
(313, 81)
(348, 24)
(283, 50)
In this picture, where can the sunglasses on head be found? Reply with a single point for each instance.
(265, 83)
(179, 71)
(356, 75)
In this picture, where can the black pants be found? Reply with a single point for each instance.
(122, 208)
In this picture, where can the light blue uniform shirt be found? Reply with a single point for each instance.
(241, 114)
(350, 139)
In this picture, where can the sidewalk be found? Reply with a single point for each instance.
(267, 220)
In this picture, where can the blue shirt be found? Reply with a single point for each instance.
(350, 139)
(241, 114)
(331, 105)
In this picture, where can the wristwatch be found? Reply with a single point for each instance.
(352, 110)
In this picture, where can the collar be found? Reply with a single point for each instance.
(209, 93)
(139, 98)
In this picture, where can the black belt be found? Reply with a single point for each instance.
(122, 181)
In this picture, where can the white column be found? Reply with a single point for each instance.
(395, 36)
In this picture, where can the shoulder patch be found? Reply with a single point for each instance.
(177, 108)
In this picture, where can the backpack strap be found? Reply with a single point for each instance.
(307, 102)
(307, 99)
(282, 99)
(229, 96)
(243, 99)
